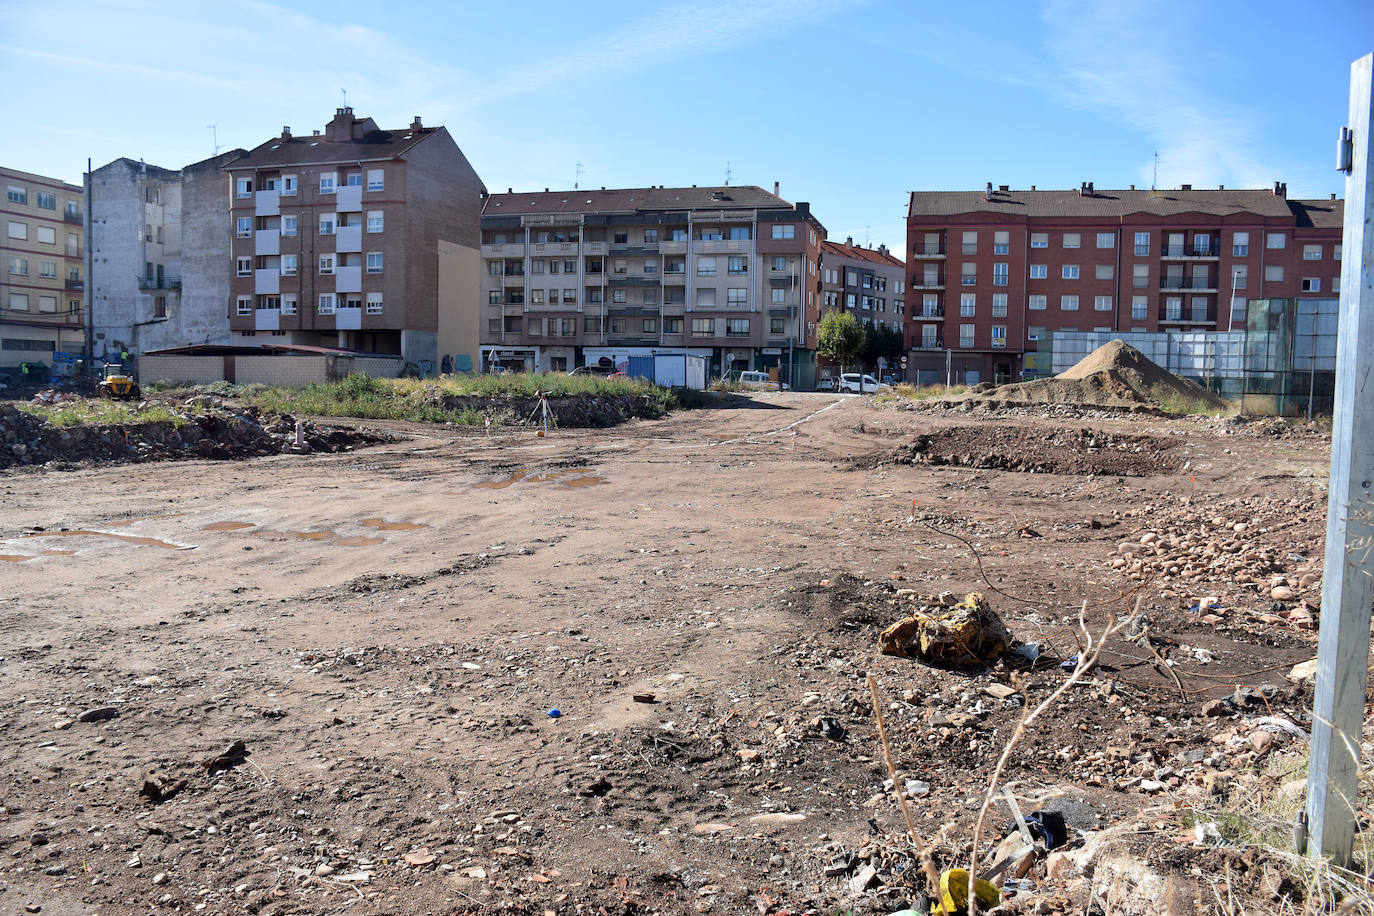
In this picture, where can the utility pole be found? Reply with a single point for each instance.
(1347, 588)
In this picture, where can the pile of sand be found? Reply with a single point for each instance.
(1115, 376)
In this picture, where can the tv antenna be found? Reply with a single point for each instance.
(345, 97)
(577, 178)
(867, 244)
(1154, 182)
(727, 173)
(214, 134)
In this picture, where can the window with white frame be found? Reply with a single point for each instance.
(779, 295)
(1000, 274)
(970, 244)
(374, 220)
(968, 305)
(328, 304)
(1273, 273)
(1335, 252)
(327, 182)
(288, 304)
(1102, 303)
(1140, 308)
(47, 201)
(1240, 244)
(784, 231)
(706, 298)
(1104, 271)
(1311, 252)
(1106, 240)
(244, 188)
(19, 266)
(354, 179)
(288, 225)
(1240, 276)
(1001, 242)
(326, 263)
(1040, 240)
(1239, 306)
(1140, 276)
(18, 195)
(1276, 240)
(244, 267)
(1073, 240)
(47, 270)
(289, 265)
(735, 266)
(328, 222)
(376, 180)
(1034, 333)
(17, 230)
(244, 305)
(1037, 303)
(537, 297)
(736, 297)
(1142, 244)
(1311, 285)
(968, 274)
(288, 189)
(46, 235)
(999, 335)
(1069, 272)
(965, 335)
(1039, 271)
(1068, 303)
(706, 267)
(999, 305)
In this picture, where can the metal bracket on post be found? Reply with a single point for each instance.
(1347, 589)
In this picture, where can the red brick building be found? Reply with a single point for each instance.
(990, 271)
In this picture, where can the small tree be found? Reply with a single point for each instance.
(840, 337)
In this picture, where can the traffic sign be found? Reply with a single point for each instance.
(903, 362)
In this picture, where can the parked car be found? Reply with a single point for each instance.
(826, 383)
(594, 370)
(862, 383)
(760, 381)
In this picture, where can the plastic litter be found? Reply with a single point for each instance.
(969, 632)
(555, 713)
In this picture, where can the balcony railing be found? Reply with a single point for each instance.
(1211, 250)
(73, 218)
(1188, 315)
(928, 250)
(76, 284)
(934, 281)
(929, 343)
(156, 282)
(931, 313)
(1193, 283)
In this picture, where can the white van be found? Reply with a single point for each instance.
(861, 384)
(760, 381)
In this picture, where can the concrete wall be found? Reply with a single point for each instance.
(198, 369)
(289, 371)
(460, 312)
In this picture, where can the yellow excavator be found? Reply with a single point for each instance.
(118, 385)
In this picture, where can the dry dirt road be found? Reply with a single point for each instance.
(388, 631)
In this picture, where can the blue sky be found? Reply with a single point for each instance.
(848, 104)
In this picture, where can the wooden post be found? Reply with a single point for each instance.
(1348, 589)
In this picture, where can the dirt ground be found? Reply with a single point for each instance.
(389, 631)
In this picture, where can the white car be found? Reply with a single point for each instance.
(861, 384)
(760, 381)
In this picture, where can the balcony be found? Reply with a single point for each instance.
(934, 281)
(154, 282)
(267, 203)
(266, 319)
(348, 319)
(1171, 315)
(929, 314)
(674, 277)
(267, 241)
(267, 281)
(1193, 284)
(548, 248)
(348, 279)
(75, 285)
(72, 218)
(928, 250)
(928, 343)
(672, 247)
(349, 198)
(717, 246)
(504, 250)
(1188, 252)
(513, 281)
(594, 249)
(348, 238)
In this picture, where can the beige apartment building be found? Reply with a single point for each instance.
(42, 289)
(593, 277)
(357, 238)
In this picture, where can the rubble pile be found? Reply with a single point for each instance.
(1042, 451)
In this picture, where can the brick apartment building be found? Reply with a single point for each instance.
(357, 238)
(578, 277)
(42, 290)
(159, 252)
(992, 270)
(869, 283)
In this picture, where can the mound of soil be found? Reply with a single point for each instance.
(1041, 451)
(27, 439)
(569, 412)
(1115, 376)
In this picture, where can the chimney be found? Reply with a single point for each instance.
(510, 190)
(341, 127)
(1333, 195)
(416, 125)
(286, 132)
(1004, 187)
(1032, 187)
(1185, 187)
(882, 249)
(849, 241)
(1091, 192)
(1283, 189)
(988, 190)
(1082, 189)
(314, 133)
(775, 189)
(1275, 192)
(1132, 187)
(1221, 187)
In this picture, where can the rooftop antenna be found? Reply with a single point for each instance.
(867, 244)
(345, 97)
(214, 134)
(577, 179)
(727, 173)
(1154, 182)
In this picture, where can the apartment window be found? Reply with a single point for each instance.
(494, 297)
(968, 305)
(999, 305)
(495, 268)
(376, 180)
(328, 304)
(354, 179)
(706, 298)
(74, 307)
(650, 236)
(1106, 240)
(374, 262)
(1069, 272)
(1240, 276)
(1040, 240)
(1103, 271)
(18, 195)
(1276, 240)
(18, 230)
(1240, 244)
(737, 266)
(618, 238)
(1202, 244)
(570, 295)
(1038, 303)
(1311, 252)
(706, 267)
(777, 326)
(288, 189)
(244, 267)
(592, 324)
(739, 233)
(779, 295)
(47, 201)
(999, 274)
(677, 235)
(1140, 308)
(1102, 303)
(244, 188)
(326, 263)
(1142, 244)
(19, 302)
(703, 327)
(327, 223)
(270, 302)
(1273, 273)
(675, 266)
(1140, 276)
(46, 234)
(1335, 252)
(1039, 271)
(965, 335)
(1001, 243)
(536, 297)
(1311, 285)
(672, 325)
(327, 181)
(999, 335)
(617, 325)
(288, 225)
(737, 327)
(289, 265)
(783, 231)
(244, 305)
(47, 270)
(1068, 303)
(537, 266)
(19, 267)
(1238, 309)
(1034, 333)
(968, 275)
(650, 266)
(970, 244)
(74, 273)
(649, 326)
(374, 221)
(1073, 240)
(288, 304)
(620, 296)
(594, 295)
(851, 300)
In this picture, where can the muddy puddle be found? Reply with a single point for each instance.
(298, 535)
(147, 518)
(384, 525)
(227, 526)
(571, 477)
(360, 541)
(126, 538)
